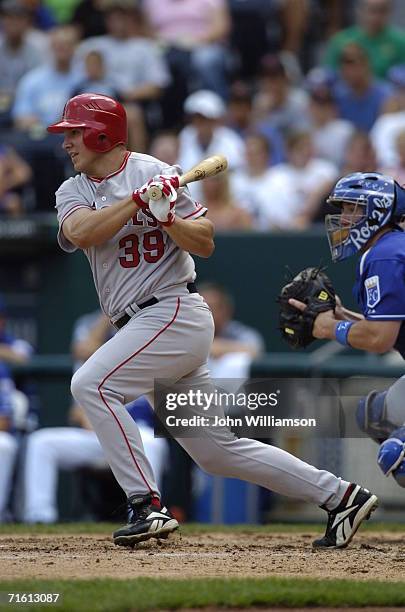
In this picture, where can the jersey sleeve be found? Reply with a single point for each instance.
(383, 291)
(68, 200)
(186, 206)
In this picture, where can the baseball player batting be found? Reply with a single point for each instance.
(139, 252)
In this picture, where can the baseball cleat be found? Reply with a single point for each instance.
(343, 522)
(148, 519)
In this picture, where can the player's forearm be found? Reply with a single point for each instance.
(196, 237)
(363, 335)
(99, 226)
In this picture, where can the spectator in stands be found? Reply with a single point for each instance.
(12, 350)
(398, 171)
(20, 51)
(277, 102)
(54, 448)
(240, 119)
(14, 405)
(235, 344)
(299, 186)
(268, 24)
(396, 103)
(384, 43)
(42, 93)
(359, 97)
(206, 134)
(387, 127)
(88, 17)
(330, 133)
(194, 33)
(14, 174)
(240, 107)
(359, 155)
(165, 146)
(223, 208)
(42, 16)
(96, 79)
(62, 9)
(250, 185)
(8, 442)
(134, 64)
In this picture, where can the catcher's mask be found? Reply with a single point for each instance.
(102, 118)
(376, 199)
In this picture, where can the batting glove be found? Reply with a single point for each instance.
(163, 209)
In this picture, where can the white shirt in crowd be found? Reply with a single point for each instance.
(288, 189)
(252, 193)
(383, 136)
(331, 140)
(224, 141)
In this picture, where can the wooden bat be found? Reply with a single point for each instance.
(211, 166)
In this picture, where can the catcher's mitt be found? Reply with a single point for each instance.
(313, 287)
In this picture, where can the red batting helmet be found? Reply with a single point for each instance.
(104, 121)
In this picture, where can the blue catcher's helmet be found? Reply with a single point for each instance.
(377, 200)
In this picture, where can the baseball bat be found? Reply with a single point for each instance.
(211, 166)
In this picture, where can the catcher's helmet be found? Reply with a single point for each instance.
(104, 121)
(378, 199)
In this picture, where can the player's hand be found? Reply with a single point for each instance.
(322, 323)
(163, 209)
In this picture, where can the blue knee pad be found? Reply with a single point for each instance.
(371, 416)
(391, 456)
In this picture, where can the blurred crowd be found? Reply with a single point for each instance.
(294, 92)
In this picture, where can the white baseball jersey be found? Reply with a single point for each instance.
(141, 258)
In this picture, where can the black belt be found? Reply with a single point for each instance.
(191, 288)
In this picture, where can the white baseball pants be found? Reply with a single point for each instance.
(171, 340)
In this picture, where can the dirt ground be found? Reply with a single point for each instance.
(371, 556)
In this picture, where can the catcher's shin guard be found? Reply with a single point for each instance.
(371, 416)
(343, 522)
(148, 519)
(391, 456)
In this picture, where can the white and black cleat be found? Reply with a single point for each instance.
(343, 522)
(148, 519)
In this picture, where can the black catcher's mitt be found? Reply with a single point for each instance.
(313, 287)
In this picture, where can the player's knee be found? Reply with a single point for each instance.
(371, 416)
(391, 456)
(82, 383)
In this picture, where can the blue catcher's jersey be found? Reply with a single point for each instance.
(380, 282)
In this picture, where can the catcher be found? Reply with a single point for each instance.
(370, 207)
